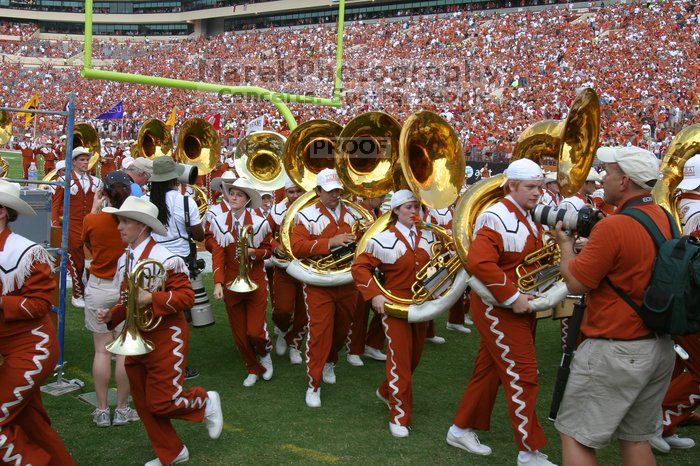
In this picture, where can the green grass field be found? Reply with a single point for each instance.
(14, 159)
(270, 423)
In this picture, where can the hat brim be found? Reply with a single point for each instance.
(253, 195)
(75, 156)
(606, 156)
(689, 184)
(16, 204)
(142, 217)
(171, 175)
(328, 187)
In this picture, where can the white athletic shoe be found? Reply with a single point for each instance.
(77, 302)
(294, 355)
(468, 320)
(398, 431)
(469, 442)
(534, 458)
(266, 362)
(250, 380)
(213, 417)
(313, 397)
(374, 353)
(123, 416)
(329, 373)
(183, 457)
(458, 328)
(280, 342)
(379, 395)
(101, 417)
(354, 360)
(659, 444)
(436, 340)
(680, 443)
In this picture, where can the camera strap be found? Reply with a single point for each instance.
(188, 227)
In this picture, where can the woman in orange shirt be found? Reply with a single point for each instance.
(103, 241)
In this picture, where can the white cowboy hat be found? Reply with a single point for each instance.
(226, 177)
(244, 185)
(9, 197)
(140, 210)
(78, 151)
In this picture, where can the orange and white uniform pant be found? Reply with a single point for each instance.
(156, 387)
(683, 395)
(360, 334)
(288, 311)
(76, 259)
(458, 311)
(404, 348)
(506, 357)
(330, 312)
(246, 317)
(26, 435)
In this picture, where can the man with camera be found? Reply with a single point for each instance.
(621, 370)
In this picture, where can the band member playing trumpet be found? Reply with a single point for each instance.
(245, 307)
(83, 187)
(399, 253)
(504, 235)
(326, 224)
(156, 377)
(28, 343)
(288, 310)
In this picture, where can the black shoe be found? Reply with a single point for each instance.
(191, 373)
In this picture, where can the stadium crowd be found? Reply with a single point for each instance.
(491, 76)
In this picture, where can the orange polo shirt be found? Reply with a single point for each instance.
(102, 238)
(621, 249)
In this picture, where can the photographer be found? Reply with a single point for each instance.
(180, 215)
(620, 372)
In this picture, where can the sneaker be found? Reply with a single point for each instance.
(313, 397)
(436, 340)
(101, 417)
(280, 343)
(77, 302)
(533, 458)
(266, 362)
(681, 443)
(458, 328)
(397, 430)
(468, 320)
(329, 373)
(374, 353)
(379, 395)
(191, 373)
(213, 417)
(250, 380)
(183, 457)
(354, 360)
(468, 441)
(294, 356)
(123, 416)
(659, 444)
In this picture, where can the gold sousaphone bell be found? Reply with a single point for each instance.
(198, 144)
(309, 149)
(259, 159)
(154, 140)
(85, 135)
(5, 136)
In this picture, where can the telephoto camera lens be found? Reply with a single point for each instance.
(581, 222)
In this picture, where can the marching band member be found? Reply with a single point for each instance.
(582, 197)
(58, 148)
(684, 392)
(156, 378)
(107, 158)
(104, 242)
(28, 344)
(246, 311)
(320, 227)
(551, 195)
(504, 234)
(364, 340)
(288, 309)
(27, 148)
(179, 213)
(399, 253)
(83, 187)
(47, 156)
(457, 315)
(216, 185)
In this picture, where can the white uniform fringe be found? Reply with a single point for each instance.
(513, 234)
(35, 255)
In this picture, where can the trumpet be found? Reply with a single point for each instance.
(147, 274)
(242, 283)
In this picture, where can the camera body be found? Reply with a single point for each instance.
(582, 221)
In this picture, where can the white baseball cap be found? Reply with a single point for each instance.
(640, 165)
(550, 177)
(401, 197)
(289, 184)
(127, 162)
(523, 170)
(328, 180)
(691, 174)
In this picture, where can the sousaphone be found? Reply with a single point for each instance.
(259, 159)
(154, 140)
(85, 135)
(198, 144)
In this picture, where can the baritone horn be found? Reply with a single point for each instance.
(149, 275)
(242, 283)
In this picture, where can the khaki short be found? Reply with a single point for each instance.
(100, 293)
(615, 390)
